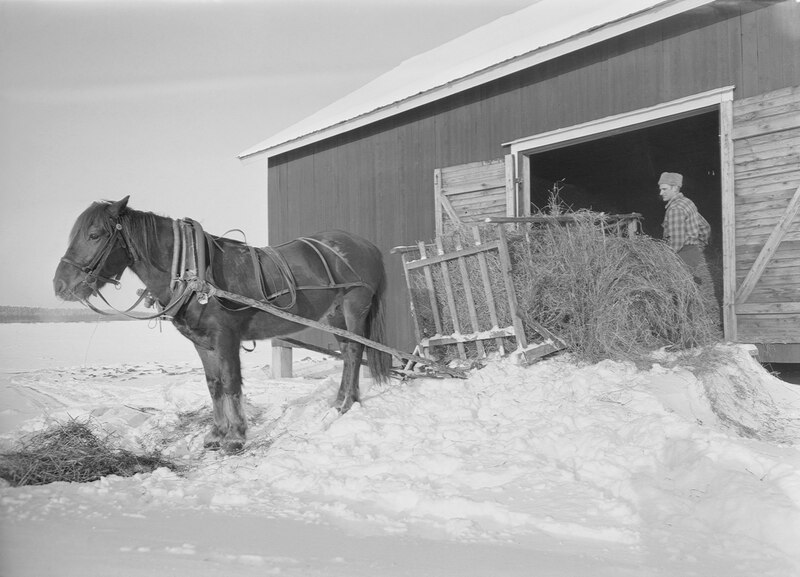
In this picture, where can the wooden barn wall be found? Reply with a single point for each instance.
(378, 181)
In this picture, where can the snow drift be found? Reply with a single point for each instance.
(677, 469)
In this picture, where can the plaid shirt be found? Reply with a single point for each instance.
(684, 225)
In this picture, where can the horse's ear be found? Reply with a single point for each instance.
(116, 208)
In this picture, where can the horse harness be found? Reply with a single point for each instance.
(192, 263)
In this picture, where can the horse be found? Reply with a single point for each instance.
(334, 277)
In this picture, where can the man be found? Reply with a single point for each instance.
(686, 231)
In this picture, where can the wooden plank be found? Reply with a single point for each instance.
(473, 188)
(472, 195)
(526, 187)
(785, 169)
(483, 203)
(784, 268)
(487, 286)
(768, 125)
(431, 260)
(538, 351)
(296, 343)
(783, 177)
(779, 109)
(728, 221)
(510, 186)
(784, 152)
(469, 170)
(281, 367)
(767, 203)
(446, 208)
(411, 306)
(788, 249)
(769, 281)
(426, 271)
(437, 202)
(476, 337)
(767, 165)
(466, 282)
(768, 308)
(775, 238)
(754, 190)
(775, 283)
(782, 195)
(766, 145)
(761, 103)
(759, 221)
(511, 295)
(775, 294)
(451, 302)
(758, 230)
(777, 328)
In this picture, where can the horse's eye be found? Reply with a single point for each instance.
(93, 236)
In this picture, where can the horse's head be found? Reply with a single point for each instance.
(97, 253)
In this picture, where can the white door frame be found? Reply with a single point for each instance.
(718, 98)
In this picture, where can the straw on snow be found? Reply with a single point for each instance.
(72, 451)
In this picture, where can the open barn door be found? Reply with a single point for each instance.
(766, 229)
(469, 193)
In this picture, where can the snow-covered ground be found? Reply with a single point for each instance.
(551, 470)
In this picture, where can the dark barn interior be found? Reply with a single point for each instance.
(619, 173)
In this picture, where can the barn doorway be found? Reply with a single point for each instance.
(618, 173)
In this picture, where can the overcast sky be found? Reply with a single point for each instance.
(155, 99)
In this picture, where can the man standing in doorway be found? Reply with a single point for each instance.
(686, 231)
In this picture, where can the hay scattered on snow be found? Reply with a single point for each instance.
(73, 451)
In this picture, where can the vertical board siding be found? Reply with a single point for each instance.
(377, 181)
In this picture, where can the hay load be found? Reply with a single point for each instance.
(604, 292)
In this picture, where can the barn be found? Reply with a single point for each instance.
(599, 96)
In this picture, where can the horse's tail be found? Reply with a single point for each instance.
(379, 362)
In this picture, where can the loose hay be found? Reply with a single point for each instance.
(606, 296)
(73, 451)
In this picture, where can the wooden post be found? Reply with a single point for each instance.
(487, 288)
(281, 367)
(473, 315)
(505, 263)
(451, 301)
(431, 290)
(728, 221)
(411, 305)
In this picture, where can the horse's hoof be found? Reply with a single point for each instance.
(346, 406)
(233, 447)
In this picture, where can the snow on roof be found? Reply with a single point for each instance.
(544, 30)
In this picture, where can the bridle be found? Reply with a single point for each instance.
(92, 270)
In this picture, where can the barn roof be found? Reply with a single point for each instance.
(544, 30)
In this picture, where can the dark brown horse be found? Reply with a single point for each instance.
(334, 277)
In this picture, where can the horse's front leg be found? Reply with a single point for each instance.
(224, 379)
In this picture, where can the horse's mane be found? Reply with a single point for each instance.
(141, 230)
